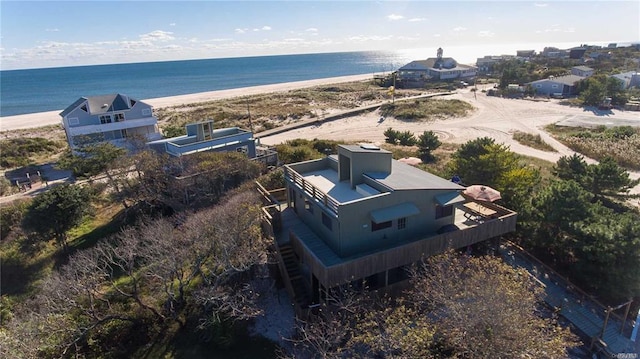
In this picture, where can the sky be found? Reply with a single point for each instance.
(37, 34)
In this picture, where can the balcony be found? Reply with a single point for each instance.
(315, 193)
(114, 126)
(332, 270)
(189, 144)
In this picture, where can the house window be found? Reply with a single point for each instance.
(443, 211)
(538, 86)
(402, 223)
(378, 226)
(554, 86)
(118, 117)
(84, 108)
(105, 119)
(327, 221)
(74, 121)
(308, 205)
(146, 111)
(124, 134)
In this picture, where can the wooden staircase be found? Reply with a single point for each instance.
(294, 275)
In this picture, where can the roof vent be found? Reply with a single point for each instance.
(369, 146)
(104, 105)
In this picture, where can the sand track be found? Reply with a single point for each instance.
(493, 117)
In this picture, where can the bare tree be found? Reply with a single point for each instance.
(483, 308)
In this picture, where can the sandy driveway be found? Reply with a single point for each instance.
(494, 117)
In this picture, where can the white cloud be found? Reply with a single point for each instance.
(437, 35)
(157, 35)
(540, 4)
(571, 29)
(459, 28)
(264, 28)
(240, 31)
(394, 17)
(172, 24)
(485, 33)
(311, 29)
(51, 30)
(417, 19)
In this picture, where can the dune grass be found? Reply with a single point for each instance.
(533, 141)
(426, 109)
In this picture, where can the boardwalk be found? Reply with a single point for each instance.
(586, 316)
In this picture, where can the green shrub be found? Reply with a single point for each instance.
(11, 215)
(406, 138)
(391, 136)
(18, 152)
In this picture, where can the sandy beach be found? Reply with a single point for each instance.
(40, 119)
(494, 117)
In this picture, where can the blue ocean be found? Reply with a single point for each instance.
(38, 90)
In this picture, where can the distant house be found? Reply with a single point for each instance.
(525, 54)
(554, 52)
(560, 85)
(362, 216)
(485, 64)
(436, 69)
(577, 52)
(628, 79)
(583, 71)
(202, 137)
(113, 118)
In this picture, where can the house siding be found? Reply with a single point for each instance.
(138, 121)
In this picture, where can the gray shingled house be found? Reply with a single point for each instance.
(362, 216)
(114, 118)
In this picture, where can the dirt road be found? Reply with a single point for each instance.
(494, 117)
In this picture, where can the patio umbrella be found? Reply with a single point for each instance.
(482, 193)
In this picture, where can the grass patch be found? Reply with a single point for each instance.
(533, 141)
(426, 109)
(398, 151)
(544, 167)
(17, 152)
(439, 166)
(621, 143)
(271, 110)
(25, 261)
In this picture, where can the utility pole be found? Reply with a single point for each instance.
(249, 114)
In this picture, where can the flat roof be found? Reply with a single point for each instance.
(407, 177)
(326, 180)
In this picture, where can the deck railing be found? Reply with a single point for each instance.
(404, 254)
(315, 193)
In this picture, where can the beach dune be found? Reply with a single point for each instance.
(33, 120)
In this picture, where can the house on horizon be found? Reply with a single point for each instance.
(114, 118)
(486, 64)
(417, 73)
(362, 217)
(525, 54)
